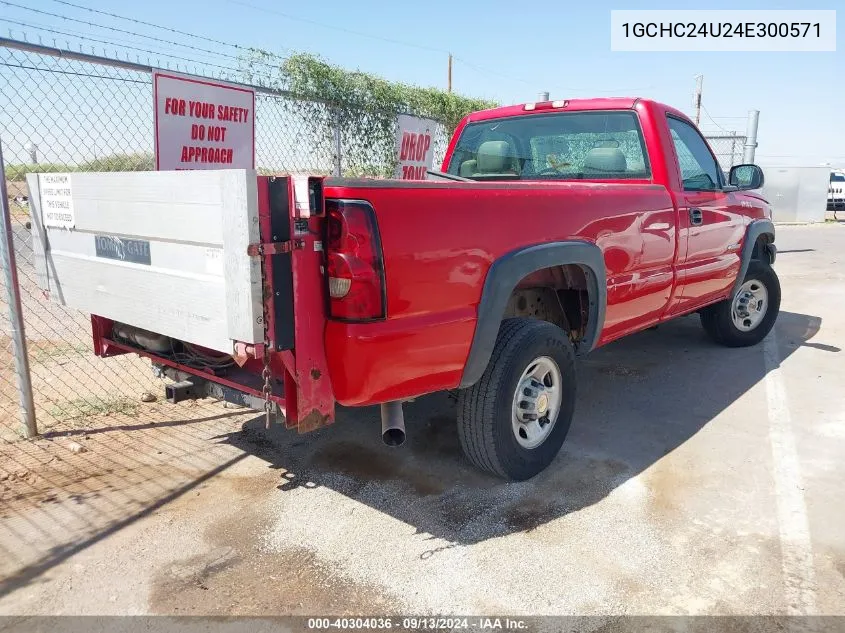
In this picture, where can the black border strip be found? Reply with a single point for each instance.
(282, 264)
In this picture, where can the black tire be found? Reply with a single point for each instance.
(717, 320)
(485, 410)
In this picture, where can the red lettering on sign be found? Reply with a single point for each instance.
(424, 145)
(403, 153)
(217, 133)
(232, 113)
(210, 155)
(412, 145)
(173, 106)
(201, 109)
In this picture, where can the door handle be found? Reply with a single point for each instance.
(695, 216)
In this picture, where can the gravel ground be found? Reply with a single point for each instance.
(695, 480)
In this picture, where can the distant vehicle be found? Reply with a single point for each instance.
(836, 192)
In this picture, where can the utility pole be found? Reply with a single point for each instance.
(750, 146)
(699, 81)
(449, 88)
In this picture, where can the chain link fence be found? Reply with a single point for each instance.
(728, 148)
(64, 114)
(74, 112)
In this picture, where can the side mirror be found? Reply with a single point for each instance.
(746, 177)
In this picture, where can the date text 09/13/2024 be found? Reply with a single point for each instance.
(418, 623)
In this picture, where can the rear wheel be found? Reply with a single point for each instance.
(748, 317)
(513, 421)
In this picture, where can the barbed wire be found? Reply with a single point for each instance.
(75, 74)
(159, 26)
(87, 38)
(713, 121)
(132, 33)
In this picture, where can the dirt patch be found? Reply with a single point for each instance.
(79, 477)
(288, 583)
(364, 464)
(237, 576)
(42, 351)
(668, 486)
(837, 560)
(120, 451)
(529, 513)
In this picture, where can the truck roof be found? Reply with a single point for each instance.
(601, 103)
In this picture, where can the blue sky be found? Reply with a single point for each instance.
(509, 51)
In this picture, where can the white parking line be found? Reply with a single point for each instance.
(796, 546)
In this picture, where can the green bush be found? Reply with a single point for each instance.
(362, 106)
(356, 93)
(18, 172)
(139, 161)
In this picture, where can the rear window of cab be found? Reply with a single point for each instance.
(555, 146)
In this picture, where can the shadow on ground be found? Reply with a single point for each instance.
(639, 399)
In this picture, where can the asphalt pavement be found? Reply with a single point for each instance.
(695, 480)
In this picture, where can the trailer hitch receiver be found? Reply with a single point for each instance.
(190, 389)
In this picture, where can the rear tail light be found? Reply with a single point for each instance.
(355, 268)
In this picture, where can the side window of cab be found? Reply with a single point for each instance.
(699, 169)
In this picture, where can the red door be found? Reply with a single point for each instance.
(710, 226)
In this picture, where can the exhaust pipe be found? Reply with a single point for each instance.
(392, 423)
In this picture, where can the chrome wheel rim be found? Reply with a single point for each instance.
(750, 305)
(537, 402)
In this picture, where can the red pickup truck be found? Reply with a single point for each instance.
(553, 228)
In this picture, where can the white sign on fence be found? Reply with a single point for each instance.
(202, 124)
(56, 200)
(414, 151)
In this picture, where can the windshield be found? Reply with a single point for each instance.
(837, 178)
(556, 146)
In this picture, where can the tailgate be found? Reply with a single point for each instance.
(163, 251)
(221, 259)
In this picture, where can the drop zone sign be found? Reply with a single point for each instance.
(414, 152)
(202, 124)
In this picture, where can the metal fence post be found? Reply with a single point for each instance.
(733, 148)
(338, 169)
(751, 137)
(13, 292)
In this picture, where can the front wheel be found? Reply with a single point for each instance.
(513, 421)
(748, 317)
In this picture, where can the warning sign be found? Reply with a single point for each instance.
(56, 200)
(202, 124)
(413, 147)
